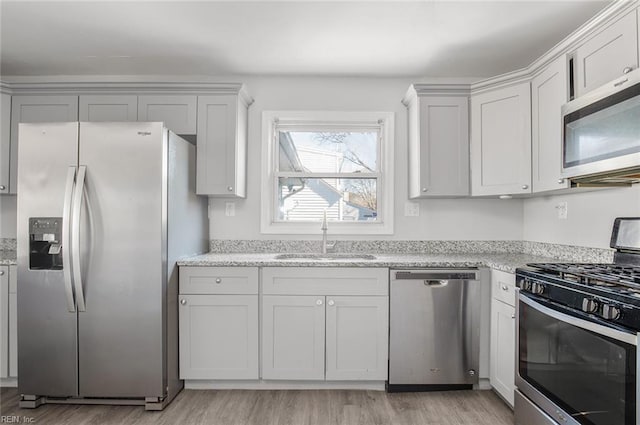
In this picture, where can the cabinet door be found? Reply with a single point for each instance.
(357, 338)
(5, 141)
(441, 148)
(32, 109)
(13, 321)
(501, 141)
(218, 336)
(177, 112)
(108, 108)
(221, 142)
(4, 321)
(503, 349)
(293, 330)
(604, 57)
(549, 91)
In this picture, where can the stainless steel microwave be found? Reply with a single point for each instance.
(601, 133)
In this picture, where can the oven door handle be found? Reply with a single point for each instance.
(629, 338)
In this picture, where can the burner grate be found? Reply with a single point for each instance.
(624, 278)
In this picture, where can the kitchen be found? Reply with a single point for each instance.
(473, 229)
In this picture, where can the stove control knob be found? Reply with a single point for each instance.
(611, 312)
(538, 288)
(526, 285)
(589, 305)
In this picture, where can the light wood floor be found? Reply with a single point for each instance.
(322, 407)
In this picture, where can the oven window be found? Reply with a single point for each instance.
(591, 376)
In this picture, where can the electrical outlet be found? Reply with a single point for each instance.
(411, 209)
(562, 210)
(230, 209)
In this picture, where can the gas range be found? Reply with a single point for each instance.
(611, 292)
(577, 330)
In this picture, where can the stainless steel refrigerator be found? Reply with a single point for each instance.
(104, 211)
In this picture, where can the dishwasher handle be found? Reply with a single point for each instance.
(436, 276)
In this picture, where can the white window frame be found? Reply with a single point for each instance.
(340, 119)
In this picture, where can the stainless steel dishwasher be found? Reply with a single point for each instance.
(434, 340)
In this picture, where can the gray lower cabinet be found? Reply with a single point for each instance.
(293, 329)
(503, 334)
(8, 322)
(218, 323)
(310, 333)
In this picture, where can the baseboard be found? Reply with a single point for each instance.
(283, 385)
(9, 382)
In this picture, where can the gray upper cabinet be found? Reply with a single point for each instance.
(222, 144)
(178, 112)
(438, 142)
(501, 141)
(607, 54)
(5, 142)
(33, 109)
(549, 91)
(115, 108)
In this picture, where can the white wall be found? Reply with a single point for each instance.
(8, 216)
(589, 220)
(439, 219)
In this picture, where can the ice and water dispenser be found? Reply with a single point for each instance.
(45, 243)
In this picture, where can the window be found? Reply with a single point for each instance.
(333, 163)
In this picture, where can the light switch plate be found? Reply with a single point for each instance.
(230, 209)
(411, 209)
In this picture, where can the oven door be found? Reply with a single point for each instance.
(575, 369)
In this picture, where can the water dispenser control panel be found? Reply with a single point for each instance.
(45, 243)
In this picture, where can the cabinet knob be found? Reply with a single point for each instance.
(561, 181)
(230, 188)
(319, 302)
(627, 70)
(513, 316)
(2, 187)
(525, 186)
(331, 302)
(1, 272)
(218, 280)
(183, 301)
(424, 189)
(505, 288)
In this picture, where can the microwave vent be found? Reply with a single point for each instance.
(625, 177)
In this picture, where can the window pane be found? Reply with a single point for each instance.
(306, 199)
(329, 151)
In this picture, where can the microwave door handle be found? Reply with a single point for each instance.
(75, 234)
(66, 239)
(629, 338)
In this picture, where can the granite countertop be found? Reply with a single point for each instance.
(499, 261)
(7, 258)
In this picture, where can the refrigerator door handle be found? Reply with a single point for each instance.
(75, 235)
(66, 239)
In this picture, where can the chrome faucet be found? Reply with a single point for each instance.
(324, 228)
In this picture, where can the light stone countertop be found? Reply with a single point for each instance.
(499, 261)
(7, 258)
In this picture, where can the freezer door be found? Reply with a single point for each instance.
(123, 247)
(47, 321)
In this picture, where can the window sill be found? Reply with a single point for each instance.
(334, 228)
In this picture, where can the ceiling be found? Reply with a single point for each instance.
(324, 38)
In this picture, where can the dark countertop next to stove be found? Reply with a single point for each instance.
(7, 258)
(499, 261)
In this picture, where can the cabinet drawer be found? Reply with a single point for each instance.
(503, 287)
(219, 280)
(325, 281)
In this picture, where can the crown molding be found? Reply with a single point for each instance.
(567, 46)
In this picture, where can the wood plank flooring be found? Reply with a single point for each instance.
(309, 407)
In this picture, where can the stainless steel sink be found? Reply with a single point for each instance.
(331, 256)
